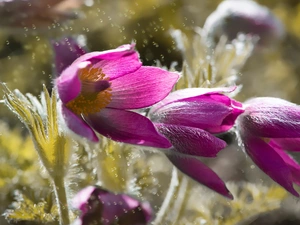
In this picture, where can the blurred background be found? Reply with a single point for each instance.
(26, 57)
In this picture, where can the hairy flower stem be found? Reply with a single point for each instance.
(181, 198)
(61, 199)
(170, 195)
(57, 179)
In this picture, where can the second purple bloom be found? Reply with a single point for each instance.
(190, 118)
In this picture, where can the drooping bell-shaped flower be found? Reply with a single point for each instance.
(101, 207)
(267, 129)
(99, 89)
(244, 16)
(189, 118)
(196, 114)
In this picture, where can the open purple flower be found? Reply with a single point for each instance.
(268, 128)
(101, 207)
(99, 88)
(189, 118)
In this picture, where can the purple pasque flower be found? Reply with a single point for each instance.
(99, 89)
(244, 16)
(268, 128)
(196, 114)
(190, 118)
(101, 207)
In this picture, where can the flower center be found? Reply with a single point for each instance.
(95, 92)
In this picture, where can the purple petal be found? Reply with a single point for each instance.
(112, 54)
(214, 113)
(192, 141)
(78, 125)
(288, 144)
(230, 120)
(127, 127)
(68, 83)
(94, 86)
(66, 51)
(145, 87)
(115, 68)
(269, 161)
(126, 209)
(201, 173)
(113, 64)
(295, 170)
(271, 118)
(190, 93)
(80, 200)
(117, 63)
(293, 165)
(91, 207)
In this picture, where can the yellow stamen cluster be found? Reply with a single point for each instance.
(88, 101)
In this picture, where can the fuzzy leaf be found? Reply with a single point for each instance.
(24, 209)
(42, 120)
(124, 168)
(211, 67)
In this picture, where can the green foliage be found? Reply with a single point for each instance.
(123, 168)
(82, 168)
(207, 67)
(250, 201)
(20, 170)
(27, 209)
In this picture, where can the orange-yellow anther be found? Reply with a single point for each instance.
(89, 101)
(267, 140)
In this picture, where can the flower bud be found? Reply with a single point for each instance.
(101, 207)
(267, 129)
(243, 16)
